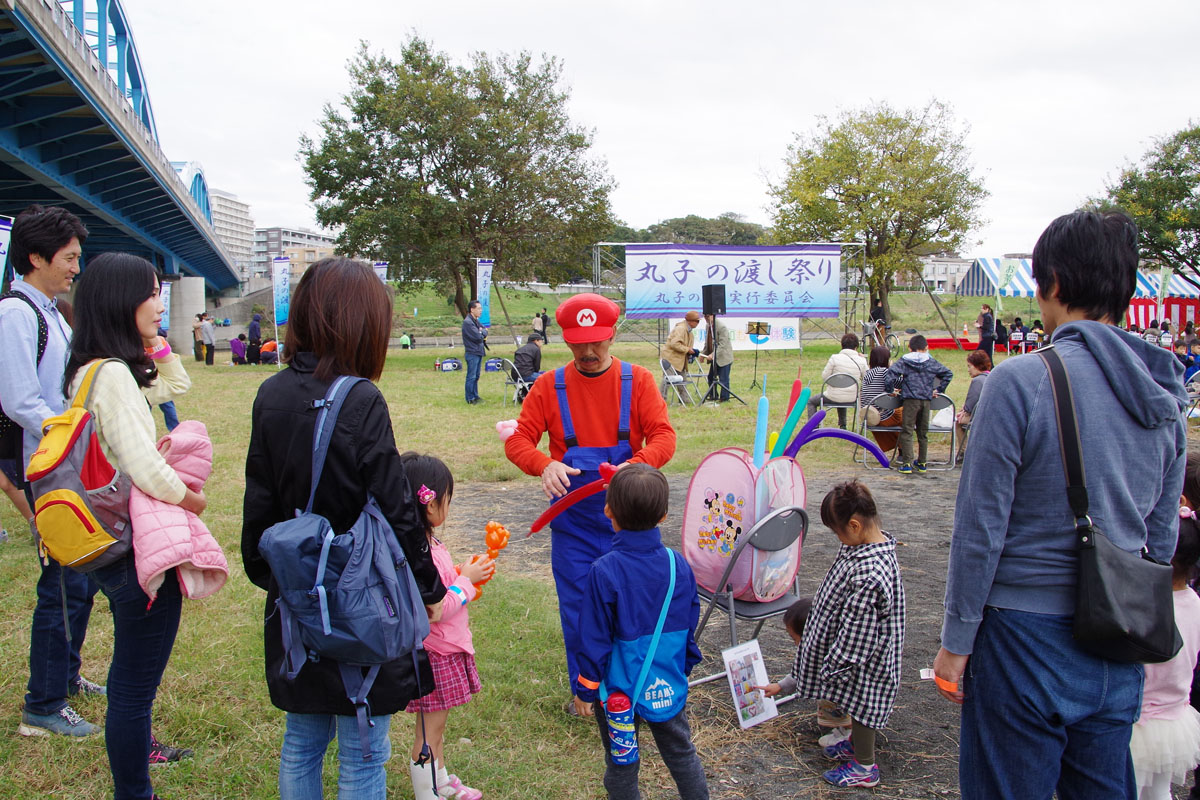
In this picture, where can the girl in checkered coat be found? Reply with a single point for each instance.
(451, 654)
(852, 644)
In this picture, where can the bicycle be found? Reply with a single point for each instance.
(875, 334)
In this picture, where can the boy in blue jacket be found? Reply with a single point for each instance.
(918, 378)
(625, 594)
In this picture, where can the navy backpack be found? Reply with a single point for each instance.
(349, 597)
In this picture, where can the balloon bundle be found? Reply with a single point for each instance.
(788, 445)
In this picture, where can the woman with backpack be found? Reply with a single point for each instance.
(117, 315)
(341, 318)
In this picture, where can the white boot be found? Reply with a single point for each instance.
(422, 781)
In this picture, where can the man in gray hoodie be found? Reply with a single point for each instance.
(1039, 713)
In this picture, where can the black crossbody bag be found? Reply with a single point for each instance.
(1124, 610)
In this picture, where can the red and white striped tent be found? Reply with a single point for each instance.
(1181, 304)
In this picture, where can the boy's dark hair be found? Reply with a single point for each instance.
(638, 495)
(918, 342)
(849, 342)
(430, 472)
(44, 231)
(1016, 320)
(1091, 259)
(1180, 343)
(880, 357)
(1187, 549)
(1191, 480)
(796, 616)
(845, 501)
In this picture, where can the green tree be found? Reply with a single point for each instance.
(1162, 195)
(729, 228)
(430, 164)
(900, 181)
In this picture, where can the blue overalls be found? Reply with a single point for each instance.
(582, 533)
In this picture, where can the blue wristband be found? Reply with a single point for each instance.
(462, 596)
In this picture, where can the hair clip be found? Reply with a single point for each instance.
(1187, 513)
(426, 495)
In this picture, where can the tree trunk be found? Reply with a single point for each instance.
(460, 302)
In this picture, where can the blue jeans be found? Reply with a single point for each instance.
(303, 755)
(1041, 715)
(473, 363)
(143, 635)
(170, 416)
(722, 377)
(53, 661)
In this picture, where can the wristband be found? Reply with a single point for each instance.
(945, 685)
(462, 596)
(162, 352)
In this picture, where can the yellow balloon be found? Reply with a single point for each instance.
(771, 439)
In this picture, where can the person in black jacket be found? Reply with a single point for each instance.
(340, 322)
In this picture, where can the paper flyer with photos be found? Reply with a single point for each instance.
(745, 669)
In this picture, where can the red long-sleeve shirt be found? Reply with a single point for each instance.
(595, 410)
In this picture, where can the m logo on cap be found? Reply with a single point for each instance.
(586, 318)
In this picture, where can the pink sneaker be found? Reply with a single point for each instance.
(457, 790)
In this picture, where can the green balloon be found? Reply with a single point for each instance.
(789, 427)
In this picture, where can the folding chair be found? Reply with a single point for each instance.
(842, 381)
(681, 386)
(513, 378)
(936, 405)
(772, 533)
(883, 402)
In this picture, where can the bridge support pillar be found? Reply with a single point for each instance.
(187, 300)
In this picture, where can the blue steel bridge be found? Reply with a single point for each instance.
(77, 130)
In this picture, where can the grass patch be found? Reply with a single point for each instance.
(214, 696)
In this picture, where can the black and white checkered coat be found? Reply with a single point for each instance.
(854, 637)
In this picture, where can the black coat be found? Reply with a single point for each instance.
(362, 457)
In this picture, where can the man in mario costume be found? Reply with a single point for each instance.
(596, 409)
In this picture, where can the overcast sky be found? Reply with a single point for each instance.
(693, 104)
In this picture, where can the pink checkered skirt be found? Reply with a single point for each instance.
(455, 679)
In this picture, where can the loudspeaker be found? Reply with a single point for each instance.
(714, 298)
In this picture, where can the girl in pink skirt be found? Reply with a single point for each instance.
(451, 654)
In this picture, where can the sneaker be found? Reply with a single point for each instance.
(64, 722)
(840, 751)
(904, 469)
(833, 737)
(3, 535)
(853, 774)
(920, 465)
(83, 686)
(455, 789)
(164, 753)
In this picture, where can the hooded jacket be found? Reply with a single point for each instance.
(166, 536)
(254, 334)
(918, 375)
(1014, 535)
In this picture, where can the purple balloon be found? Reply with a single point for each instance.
(803, 434)
(854, 438)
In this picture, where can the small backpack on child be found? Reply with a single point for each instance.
(80, 501)
(350, 597)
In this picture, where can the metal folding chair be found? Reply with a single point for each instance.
(513, 379)
(884, 403)
(842, 381)
(772, 533)
(936, 405)
(680, 386)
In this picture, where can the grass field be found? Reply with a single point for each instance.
(214, 697)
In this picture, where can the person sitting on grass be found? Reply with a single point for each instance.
(623, 600)
(917, 378)
(237, 349)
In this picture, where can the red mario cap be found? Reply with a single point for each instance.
(587, 318)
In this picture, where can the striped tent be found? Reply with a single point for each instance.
(1148, 284)
(1013, 276)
